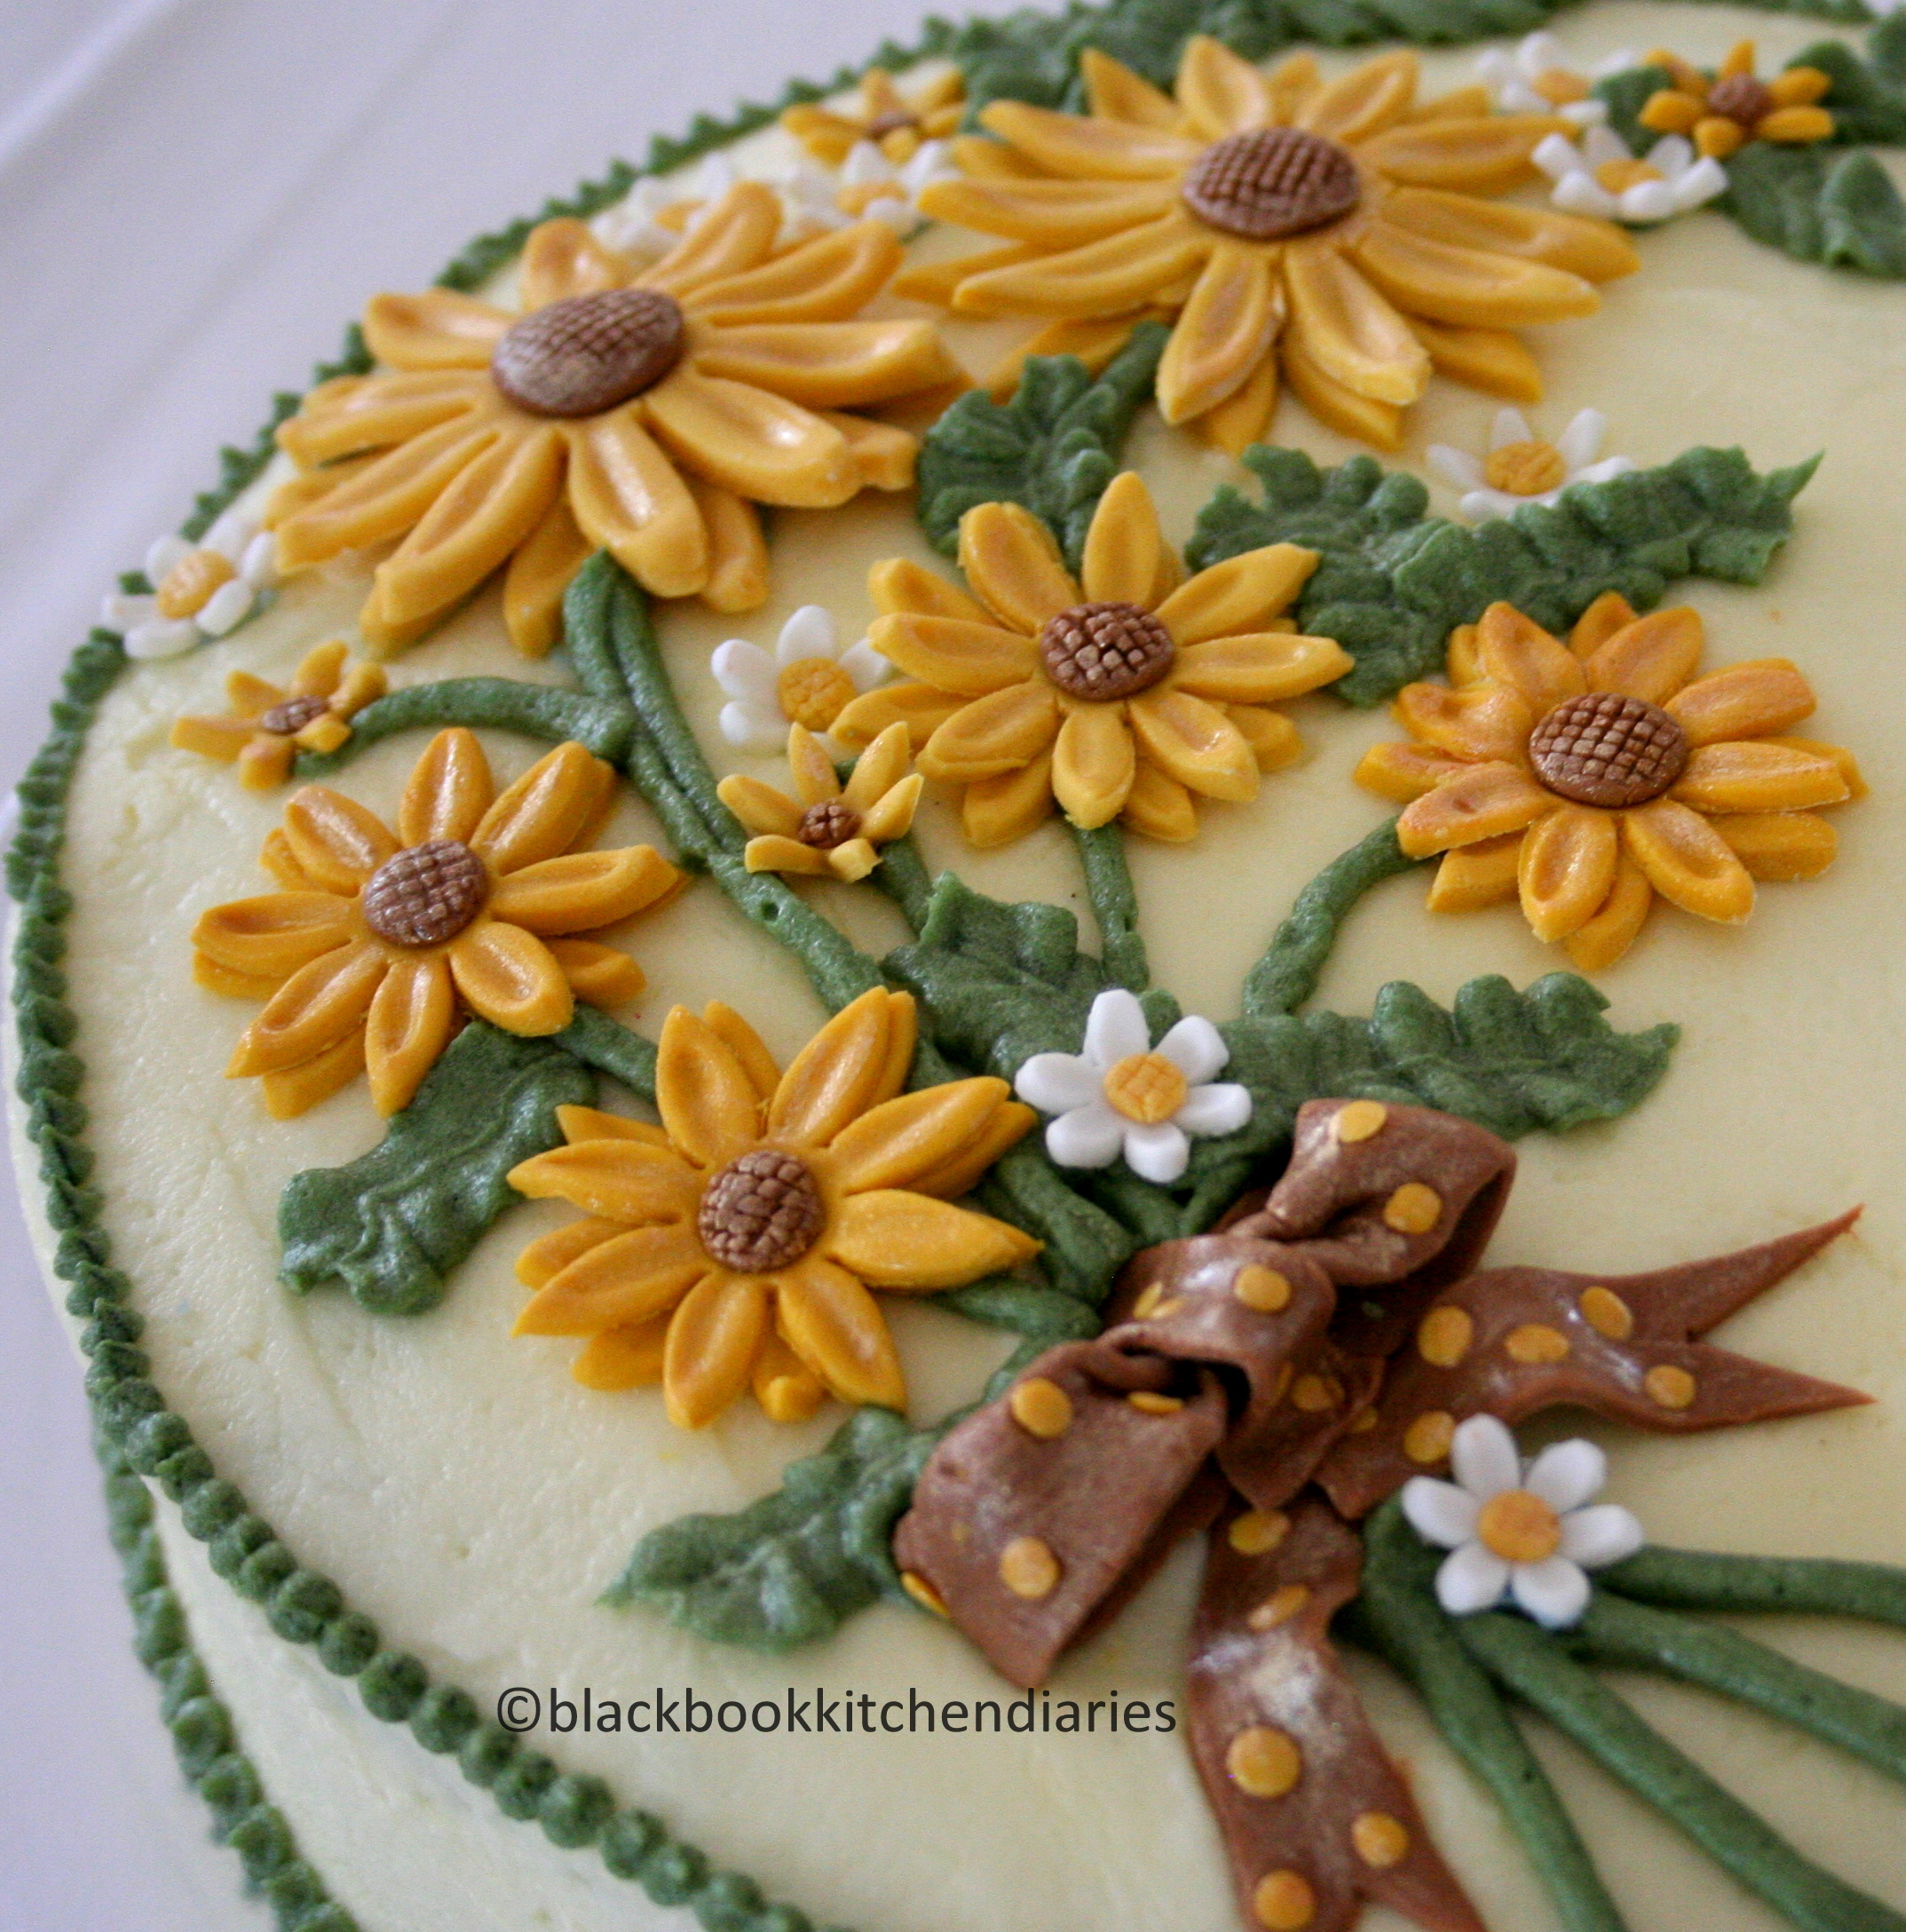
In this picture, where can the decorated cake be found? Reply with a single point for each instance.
(982, 1015)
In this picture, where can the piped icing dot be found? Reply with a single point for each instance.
(1445, 1335)
(1028, 1567)
(1145, 1088)
(1605, 750)
(830, 823)
(1105, 651)
(762, 1211)
(1264, 1762)
(426, 894)
(1413, 1210)
(1526, 469)
(1535, 1342)
(1279, 1608)
(1269, 182)
(814, 690)
(1149, 1402)
(1041, 1407)
(587, 353)
(1261, 1288)
(1518, 1526)
(1284, 1902)
(1429, 1438)
(1671, 1387)
(1258, 1531)
(1313, 1394)
(1379, 1840)
(1606, 1312)
(924, 1592)
(1358, 1121)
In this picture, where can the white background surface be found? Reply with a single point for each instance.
(194, 196)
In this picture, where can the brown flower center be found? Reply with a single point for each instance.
(1519, 1527)
(1272, 182)
(1604, 749)
(828, 824)
(426, 894)
(1105, 651)
(1742, 98)
(761, 1212)
(288, 719)
(890, 123)
(585, 355)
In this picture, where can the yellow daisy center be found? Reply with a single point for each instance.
(1559, 86)
(1531, 468)
(426, 894)
(1145, 1088)
(762, 1211)
(190, 583)
(813, 691)
(1271, 182)
(1618, 176)
(585, 355)
(1519, 1527)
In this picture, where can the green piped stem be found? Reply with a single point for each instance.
(586, 621)
(1532, 1663)
(537, 710)
(612, 1048)
(1397, 1616)
(1703, 1580)
(902, 875)
(1288, 975)
(1633, 1636)
(1114, 904)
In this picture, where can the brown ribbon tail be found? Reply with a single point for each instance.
(1315, 1818)
(1511, 1341)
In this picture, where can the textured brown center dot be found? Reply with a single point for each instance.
(1145, 1088)
(1535, 1343)
(1531, 468)
(828, 824)
(1742, 98)
(1277, 1609)
(1272, 182)
(1284, 1902)
(1606, 1312)
(1262, 1288)
(1358, 1121)
(1028, 1567)
(1381, 1840)
(1258, 1531)
(762, 1211)
(587, 353)
(1604, 749)
(1444, 1336)
(1105, 651)
(288, 719)
(1041, 1407)
(426, 893)
(1263, 1763)
(1519, 1527)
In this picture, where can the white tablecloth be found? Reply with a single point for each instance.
(194, 195)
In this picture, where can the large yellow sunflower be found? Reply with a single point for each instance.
(735, 1245)
(1125, 697)
(644, 412)
(1587, 779)
(380, 942)
(1334, 229)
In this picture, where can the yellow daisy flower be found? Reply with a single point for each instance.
(1122, 697)
(644, 412)
(1586, 778)
(1724, 114)
(380, 942)
(267, 727)
(735, 1245)
(1334, 229)
(827, 828)
(895, 124)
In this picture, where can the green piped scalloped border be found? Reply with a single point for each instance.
(137, 1437)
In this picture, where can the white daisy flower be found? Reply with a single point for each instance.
(1122, 1094)
(1520, 1531)
(654, 215)
(1536, 78)
(871, 185)
(202, 590)
(1600, 177)
(808, 681)
(1521, 468)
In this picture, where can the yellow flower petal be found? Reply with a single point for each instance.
(510, 977)
(547, 1256)
(277, 857)
(1847, 765)
(883, 455)
(714, 1338)
(599, 974)
(1404, 772)
(1744, 700)
(786, 1389)
(1780, 845)
(1609, 612)
(735, 235)
(1520, 656)
(409, 1025)
(997, 810)
(1055, 214)
(1596, 251)
(1348, 328)
(896, 1142)
(828, 365)
(591, 1123)
(1224, 332)
(1487, 801)
(1260, 668)
(335, 842)
(1244, 417)
(1114, 92)
(584, 891)
(439, 329)
(272, 936)
(1469, 286)
(1652, 658)
(952, 656)
(1193, 742)
(741, 1040)
(539, 574)
(1756, 775)
(625, 1180)
(1160, 807)
(750, 441)
(293, 1090)
(221, 737)
(760, 807)
(1486, 154)
(1239, 596)
(1480, 724)
(629, 1278)
(892, 815)
(316, 1008)
(997, 733)
(919, 708)
(876, 772)
(1007, 1127)
(1364, 101)
(833, 1323)
(1616, 924)
(738, 550)
(1094, 764)
(1470, 877)
(628, 500)
(1688, 862)
(1089, 149)
(371, 412)
(707, 1101)
(772, 851)
(1361, 417)
(1094, 339)
(1101, 278)
(1012, 561)
(1219, 93)
(893, 1239)
(816, 780)
(900, 584)
(1490, 360)
(1126, 559)
(620, 1359)
(1274, 741)
(827, 279)
(837, 1075)
(852, 859)
(1567, 869)
(562, 258)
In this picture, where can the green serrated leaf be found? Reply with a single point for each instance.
(1054, 447)
(793, 1566)
(391, 1224)
(1392, 583)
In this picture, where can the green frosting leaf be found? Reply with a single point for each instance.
(1394, 582)
(392, 1223)
(1054, 447)
(1818, 205)
(792, 1567)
